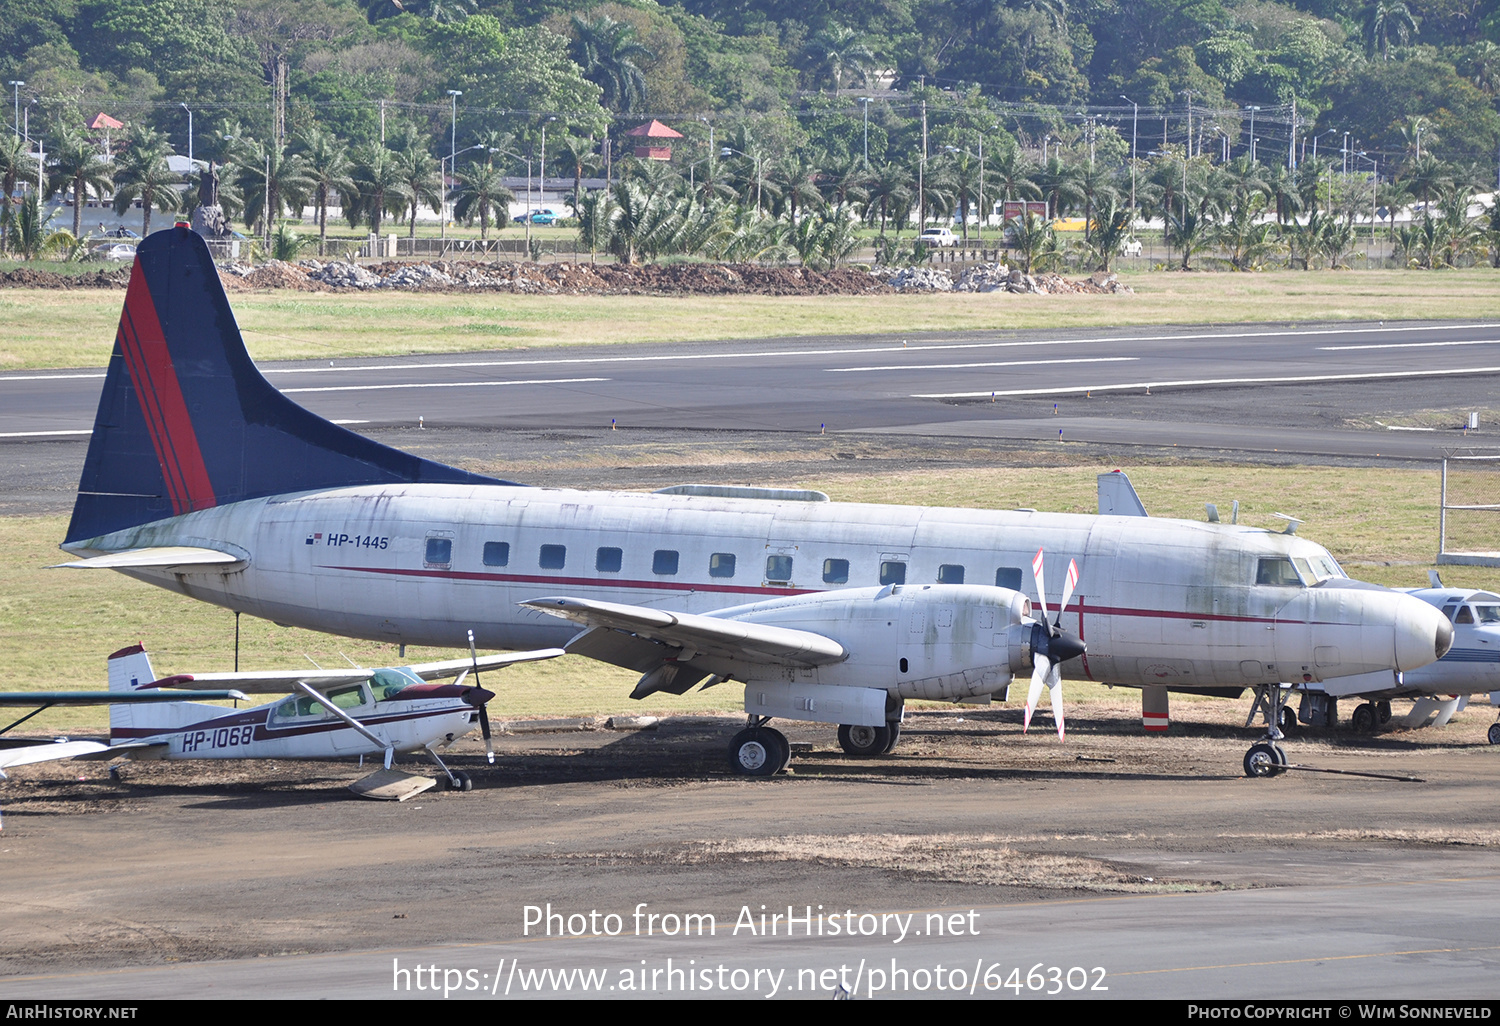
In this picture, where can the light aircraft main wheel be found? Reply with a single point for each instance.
(754, 752)
(465, 782)
(1364, 719)
(864, 741)
(1264, 760)
(1288, 722)
(1383, 710)
(1495, 733)
(894, 726)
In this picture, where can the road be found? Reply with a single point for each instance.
(1253, 388)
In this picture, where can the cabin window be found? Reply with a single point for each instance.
(1487, 614)
(892, 571)
(1277, 572)
(835, 571)
(496, 553)
(721, 564)
(1008, 577)
(608, 560)
(950, 573)
(1465, 615)
(779, 569)
(439, 551)
(664, 562)
(553, 557)
(347, 698)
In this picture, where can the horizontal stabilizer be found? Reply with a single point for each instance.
(732, 640)
(181, 558)
(51, 752)
(111, 697)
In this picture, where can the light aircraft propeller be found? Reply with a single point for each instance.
(483, 704)
(1051, 646)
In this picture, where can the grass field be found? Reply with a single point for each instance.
(57, 626)
(47, 328)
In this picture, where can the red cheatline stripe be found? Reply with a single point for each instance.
(160, 395)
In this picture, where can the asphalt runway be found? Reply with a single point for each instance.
(1264, 388)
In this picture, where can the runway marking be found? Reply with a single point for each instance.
(1309, 959)
(43, 434)
(1411, 345)
(1001, 363)
(858, 350)
(1192, 382)
(444, 384)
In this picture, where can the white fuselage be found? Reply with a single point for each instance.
(1159, 601)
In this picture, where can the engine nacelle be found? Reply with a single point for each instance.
(932, 641)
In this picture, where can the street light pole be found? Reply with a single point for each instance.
(865, 102)
(1252, 111)
(1135, 116)
(453, 95)
(15, 85)
(190, 135)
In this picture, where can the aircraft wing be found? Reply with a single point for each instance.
(453, 667)
(49, 752)
(183, 558)
(262, 682)
(108, 697)
(693, 635)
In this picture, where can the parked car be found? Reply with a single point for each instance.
(938, 237)
(113, 251)
(543, 216)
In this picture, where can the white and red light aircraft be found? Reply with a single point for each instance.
(202, 478)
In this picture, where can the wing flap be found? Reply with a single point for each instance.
(730, 640)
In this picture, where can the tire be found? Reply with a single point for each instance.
(864, 742)
(465, 782)
(1495, 733)
(894, 726)
(1288, 722)
(1383, 711)
(784, 756)
(1364, 719)
(1264, 760)
(753, 752)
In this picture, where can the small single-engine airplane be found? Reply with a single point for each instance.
(202, 478)
(329, 714)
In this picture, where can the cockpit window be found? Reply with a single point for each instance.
(1317, 567)
(1487, 614)
(1278, 572)
(386, 683)
(1465, 615)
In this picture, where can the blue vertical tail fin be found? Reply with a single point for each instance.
(187, 422)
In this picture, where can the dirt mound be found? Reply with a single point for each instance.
(644, 279)
(27, 278)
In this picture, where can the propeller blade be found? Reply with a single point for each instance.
(1054, 683)
(1041, 587)
(1069, 583)
(1038, 679)
(484, 731)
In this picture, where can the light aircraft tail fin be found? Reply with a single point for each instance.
(187, 422)
(130, 670)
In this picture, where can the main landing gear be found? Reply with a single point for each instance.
(1370, 717)
(452, 781)
(1266, 758)
(865, 742)
(759, 750)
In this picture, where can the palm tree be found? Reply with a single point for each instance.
(831, 52)
(481, 194)
(1111, 232)
(272, 180)
(1058, 182)
(1012, 173)
(1027, 236)
(964, 168)
(142, 174)
(424, 184)
(1384, 18)
(795, 181)
(577, 153)
(1096, 183)
(1190, 233)
(890, 190)
(16, 166)
(1425, 176)
(607, 51)
(331, 171)
(381, 189)
(77, 165)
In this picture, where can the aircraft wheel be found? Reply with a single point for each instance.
(1264, 760)
(864, 741)
(753, 752)
(465, 782)
(115, 776)
(784, 757)
(1364, 719)
(1383, 711)
(1288, 722)
(894, 726)
(1495, 733)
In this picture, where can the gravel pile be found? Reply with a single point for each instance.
(917, 279)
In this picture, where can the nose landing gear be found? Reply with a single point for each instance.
(1266, 758)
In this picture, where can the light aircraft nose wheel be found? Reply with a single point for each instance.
(864, 741)
(758, 752)
(1364, 719)
(465, 782)
(1264, 760)
(1495, 733)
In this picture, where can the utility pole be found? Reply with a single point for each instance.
(1188, 95)
(15, 85)
(453, 95)
(1135, 116)
(382, 122)
(865, 102)
(1252, 111)
(190, 135)
(1291, 145)
(922, 170)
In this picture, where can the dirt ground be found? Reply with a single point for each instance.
(195, 861)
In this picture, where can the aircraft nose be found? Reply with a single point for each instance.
(1423, 634)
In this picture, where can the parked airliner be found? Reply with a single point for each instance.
(202, 478)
